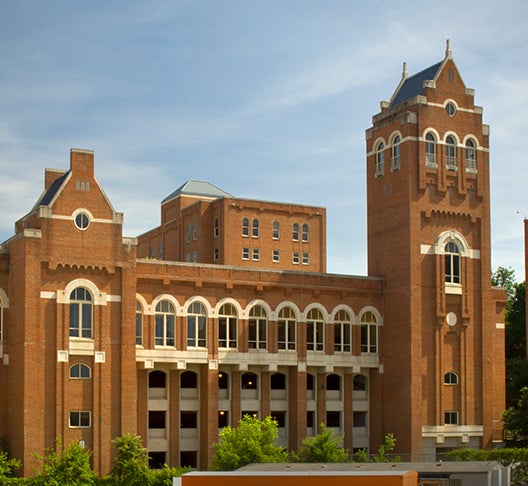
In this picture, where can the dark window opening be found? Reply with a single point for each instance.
(189, 458)
(249, 381)
(333, 382)
(156, 419)
(188, 420)
(333, 419)
(310, 382)
(157, 459)
(280, 417)
(360, 383)
(278, 381)
(157, 379)
(189, 379)
(223, 418)
(223, 380)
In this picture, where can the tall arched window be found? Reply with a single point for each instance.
(157, 379)
(196, 325)
(256, 228)
(471, 156)
(81, 313)
(287, 324)
(315, 330)
(380, 159)
(165, 320)
(305, 232)
(451, 161)
(395, 159)
(430, 150)
(258, 328)
(342, 332)
(227, 326)
(276, 230)
(369, 333)
(139, 324)
(245, 227)
(295, 232)
(452, 263)
(249, 381)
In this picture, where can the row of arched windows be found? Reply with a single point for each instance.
(258, 322)
(254, 228)
(431, 153)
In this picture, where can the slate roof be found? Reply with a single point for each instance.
(413, 85)
(198, 188)
(48, 196)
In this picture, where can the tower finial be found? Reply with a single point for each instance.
(404, 71)
(448, 53)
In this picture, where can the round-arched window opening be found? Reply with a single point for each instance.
(450, 109)
(82, 221)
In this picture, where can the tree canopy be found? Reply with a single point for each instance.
(324, 447)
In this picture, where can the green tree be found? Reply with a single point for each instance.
(68, 466)
(516, 418)
(7, 466)
(382, 455)
(131, 462)
(516, 323)
(324, 447)
(253, 441)
(504, 277)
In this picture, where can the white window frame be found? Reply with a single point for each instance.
(228, 322)
(79, 329)
(258, 328)
(165, 324)
(196, 325)
(80, 415)
(314, 330)
(289, 323)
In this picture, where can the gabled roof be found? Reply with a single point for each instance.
(198, 188)
(414, 85)
(48, 196)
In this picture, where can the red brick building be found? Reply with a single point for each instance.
(226, 307)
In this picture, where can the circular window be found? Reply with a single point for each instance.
(82, 221)
(450, 109)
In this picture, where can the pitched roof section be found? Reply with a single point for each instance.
(414, 85)
(48, 196)
(198, 188)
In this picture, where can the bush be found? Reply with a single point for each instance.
(324, 447)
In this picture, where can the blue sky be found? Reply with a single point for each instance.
(266, 99)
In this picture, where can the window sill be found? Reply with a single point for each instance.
(453, 288)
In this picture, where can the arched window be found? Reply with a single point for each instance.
(278, 381)
(258, 328)
(227, 326)
(395, 159)
(305, 232)
(343, 332)
(380, 159)
(139, 324)
(287, 324)
(223, 380)
(451, 378)
(189, 379)
(196, 325)
(195, 230)
(256, 228)
(245, 227)
(451, 161)
(315, 330)
(295, 232)
(276, 230)
(165, 319)
(80, 371)
(452, 263)
(471, 156)
(333, 382)
(249, 381)
(369, 333)
(359, 383)
(81, 313)
(430, 150)
(157, 379)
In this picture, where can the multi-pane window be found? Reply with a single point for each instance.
(216, 254)
(245, 253)
(305, 232)
(295, 257)
(81, 313)
(80, 419)
(287, 323)
(139, 324)
(195, 230)
(342, 332)
(195, 256)
(188, 239)
(471, 158)
(369, 333)
(359, 383)
(305, 258)
(256, 254)
(216, 228)
(380, 159)
(450, 148)
(451, 378)
(256, 228)
(258, 328)
(80, 371)
(452, 263)
(314, 330)
(276, 230)
(165, 319)
(359, 419)
(430, 150)
(276, 255)
(227, 326)
(451, 418)
(295, 232)
(196, 325)
(245, 227)
(395, 159)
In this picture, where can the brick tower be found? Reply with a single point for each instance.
(428, 210)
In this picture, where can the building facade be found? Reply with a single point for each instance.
(226, 309)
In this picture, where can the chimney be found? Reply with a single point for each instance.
(82, 163)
